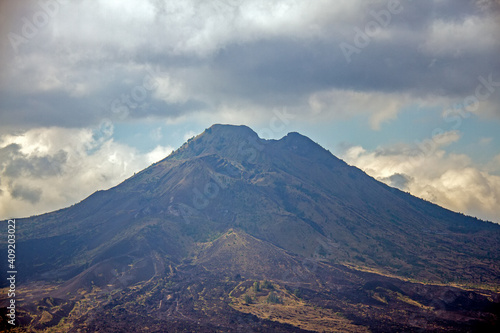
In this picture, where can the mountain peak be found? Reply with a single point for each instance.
(183, 241)
(225, 140)
(230, 130)
(302, 145)
(297, 137)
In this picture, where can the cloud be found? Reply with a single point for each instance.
(188, 135)
(485, 141)
(470, 36)
(397, 180)
(380, 107)
(31, 195)
(446, 138)
(451, 180)
(37, 167)
(493, 166)
(50, 168)
(229, 54)
(159, 153)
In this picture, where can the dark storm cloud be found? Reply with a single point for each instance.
(71, 73)
(8, 152)
(16, 164)
(289, 66)
(64, 108)
(55, 108)
(26, 193)
(397, 180)
(285, 67)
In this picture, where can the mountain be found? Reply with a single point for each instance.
(185, 244)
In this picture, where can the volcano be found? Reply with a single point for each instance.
(234, 233)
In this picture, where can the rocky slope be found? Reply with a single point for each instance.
(181, 244)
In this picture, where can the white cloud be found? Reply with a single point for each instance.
(191, 26)
(472, 35)
(81, 162)
(485, 141)
(159, 153)
(156, 134)
(450, 180)
(380, 107)
(170, 90)
(188, 135)
(446, 138)
(493, 166)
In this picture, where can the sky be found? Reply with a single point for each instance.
(92, 91)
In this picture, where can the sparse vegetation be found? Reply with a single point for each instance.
(247, 299)
(267, 285)
(135, 261)
(321, 251)
(273, 299)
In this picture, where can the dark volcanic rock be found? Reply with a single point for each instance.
(168, 243)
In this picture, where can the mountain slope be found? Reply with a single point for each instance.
(290, 192)
(228, 209)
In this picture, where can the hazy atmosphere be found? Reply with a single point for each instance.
(93, 91)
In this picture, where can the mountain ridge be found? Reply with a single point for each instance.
(280, 174)
(228, 209)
